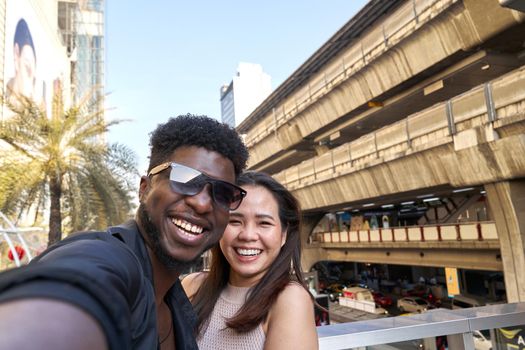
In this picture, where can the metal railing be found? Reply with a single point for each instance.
(472, 231)
(458, 325)
(10, 231)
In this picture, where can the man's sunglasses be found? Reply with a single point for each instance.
(189, 182)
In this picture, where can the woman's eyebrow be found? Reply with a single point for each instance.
(257, 215)
(264, 216)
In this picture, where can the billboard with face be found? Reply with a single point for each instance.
(35, 61)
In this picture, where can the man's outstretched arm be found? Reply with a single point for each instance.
(100, 282)
(40, 324)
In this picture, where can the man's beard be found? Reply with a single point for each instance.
(153, 241)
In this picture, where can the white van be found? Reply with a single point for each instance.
(358, 293)
(361, 299)
(462, 301)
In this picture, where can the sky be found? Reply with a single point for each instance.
(170, 57)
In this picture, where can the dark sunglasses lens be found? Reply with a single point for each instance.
(183, 174)
(236, 202)
(189, 182)
(185, 180)
(222, 194)
(226, 195)
(187, 189)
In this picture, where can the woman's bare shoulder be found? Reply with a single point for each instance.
(293, 296)
(285, 329)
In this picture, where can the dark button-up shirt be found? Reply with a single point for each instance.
(109, 275)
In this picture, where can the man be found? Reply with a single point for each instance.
(24, 82)
(120, 289)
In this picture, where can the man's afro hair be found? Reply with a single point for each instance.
(200, 131)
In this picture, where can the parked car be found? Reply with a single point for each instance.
(419, 290)
(432, 299)
(334, 291)
(424, 292)
(462, 301)
(381, 299)
(360, 284)
(481, 342)
(413, 304)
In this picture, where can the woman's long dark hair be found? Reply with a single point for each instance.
(285, 268)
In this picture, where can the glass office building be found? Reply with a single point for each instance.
(82, 27)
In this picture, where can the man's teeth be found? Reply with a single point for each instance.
(248, 252)
(187, 226)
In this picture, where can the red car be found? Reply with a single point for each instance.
(425, 293)
(418, 291)
(382, 300)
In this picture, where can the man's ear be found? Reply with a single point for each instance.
(144, 187)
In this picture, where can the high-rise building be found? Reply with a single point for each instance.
(227, 107)
(246, 91)
(81, 23)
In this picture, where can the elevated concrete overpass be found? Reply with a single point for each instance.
(408, 97)
(474, 138)
(402, 62)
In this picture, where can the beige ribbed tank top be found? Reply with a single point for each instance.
(218, 336)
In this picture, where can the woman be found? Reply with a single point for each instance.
(254, 296)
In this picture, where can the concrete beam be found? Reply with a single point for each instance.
(484, 163)
(478, 259)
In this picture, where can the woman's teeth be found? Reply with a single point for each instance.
(248, 252)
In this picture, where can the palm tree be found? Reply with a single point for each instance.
(61, 165)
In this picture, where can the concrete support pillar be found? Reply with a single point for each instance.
(311, 253)
(507, 205)
(308, 224)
